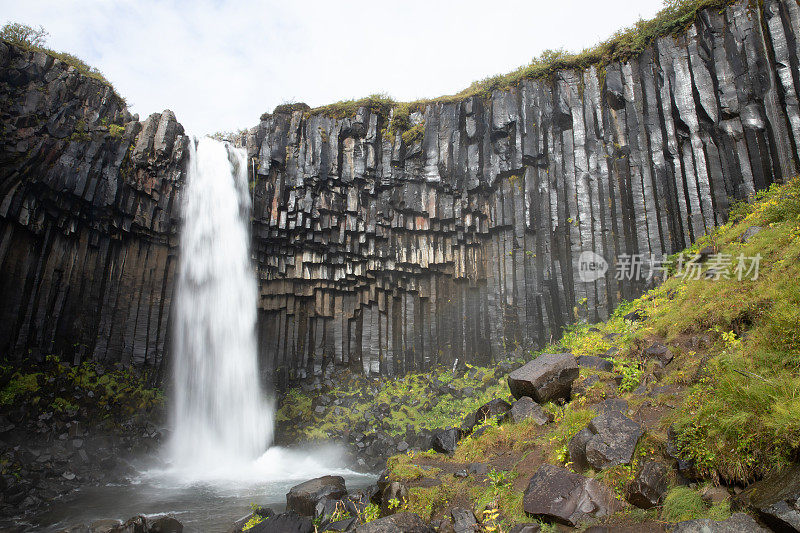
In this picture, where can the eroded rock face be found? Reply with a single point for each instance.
(384, 254)
(547, 378)
(562, 496)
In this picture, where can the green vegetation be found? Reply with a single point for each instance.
(731, 393)
(116, 131)
(34, 40)
(683, 503)
(115, 394)
(411, 401)
(674, 18)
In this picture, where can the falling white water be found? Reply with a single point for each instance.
(221, 420)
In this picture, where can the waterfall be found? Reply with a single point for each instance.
(220, 417)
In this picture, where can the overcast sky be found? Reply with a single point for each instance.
(219, 65)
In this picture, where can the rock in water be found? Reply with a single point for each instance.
(303, 498)
(737, 523)
(555, 493)
(526, 408)
(547, 378)
(609, 439)
(166, 524)
(398, 523)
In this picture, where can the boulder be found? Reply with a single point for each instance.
(556, 494)
(749, 233)
(526, 408)
(737, 523)
(493, 408)
(776, 499)
(596, 363)
(636, 315)
(166, 524)
(648, 487)
(103, 526)
(464, 520)
(288, 522)
(397, 523)
(547, 378)
(446, 440)
(526, 528)
(609, 440)
(659, 352)
(303, 498)
(394, 496)
(137, 524)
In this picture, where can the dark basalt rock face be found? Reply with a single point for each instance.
(389, 255)
(304, 497)
(385, 254)
(88, 216)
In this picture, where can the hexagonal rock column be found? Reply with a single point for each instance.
(547, 378)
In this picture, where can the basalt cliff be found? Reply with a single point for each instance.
(390, 251)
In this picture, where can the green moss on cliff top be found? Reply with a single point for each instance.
(625, 44)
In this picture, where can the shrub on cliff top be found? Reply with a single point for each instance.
(33, 39)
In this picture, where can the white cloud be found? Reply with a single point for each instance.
(219, 64)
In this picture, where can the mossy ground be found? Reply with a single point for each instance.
(731, 393)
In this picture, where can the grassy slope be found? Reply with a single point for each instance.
(732, 392)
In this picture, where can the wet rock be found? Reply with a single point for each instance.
(492, 409)
(526, 408)
(608, 440)
(648, 488)
(737, 523)
(166, 524)
(104, 526)
(597, 363)
(289, 522)
(137, 524)
(446, 440)
(303, 498)
(397, 523)
(547, 378)
(776, 499)
(556, 494)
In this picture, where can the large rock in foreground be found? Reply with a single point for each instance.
(289, 522)
(547, 378)
(556, 494)
(648, 488)
(737, 523)
(398, 523)
(304, 497)
(609, 440)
